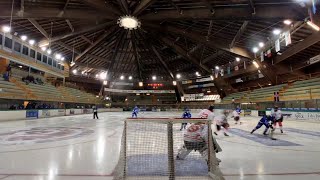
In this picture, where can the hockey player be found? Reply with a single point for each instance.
(278, 118)
(185, 115)
(221, 121)
(207, 113)
(195, 138)
(267, 122)
(135, 112)
(236, 115)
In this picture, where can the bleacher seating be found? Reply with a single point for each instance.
(264, 94)
(10, 91)
(17, 89)
(237, 96)
(302, 90)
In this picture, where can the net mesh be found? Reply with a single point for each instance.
(156, 149)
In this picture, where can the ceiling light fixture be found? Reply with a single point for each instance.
(6, 29)
(129, 22)
(178, 76)
(74, 71)
(122, 77)
(287, 22)
(24, 37)
(43, 49)
(58, 56)
(49, 51)
(255, 64)
(314, 26)
(261, 44)
(217, 68)
(140, 84)
(130, 77)
(255, 49)
(237, 59)
(174, 83)
(154, 77)
(276, 31)
(31, 42)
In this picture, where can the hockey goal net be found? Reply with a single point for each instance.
(150, 149)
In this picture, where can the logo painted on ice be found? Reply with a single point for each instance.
(42, 135)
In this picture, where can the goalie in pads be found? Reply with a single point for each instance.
(195, 138)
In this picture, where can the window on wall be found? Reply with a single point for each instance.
(32, 53)
(62, 68)
(59, 66)
(1, 39)
(50, 61)
(54, 63)
(8, 43)
(45, 59)
(39, 56)
(17, 46)
(25, 50)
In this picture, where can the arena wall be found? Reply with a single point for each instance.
(44, 113)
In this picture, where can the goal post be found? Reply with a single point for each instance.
(154, 148)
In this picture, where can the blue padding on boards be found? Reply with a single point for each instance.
(157, 165)
(300, 131)
(265, 140)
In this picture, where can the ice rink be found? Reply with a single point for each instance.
(80, 148)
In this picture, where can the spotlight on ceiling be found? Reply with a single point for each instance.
(31, 42)
(62, 58)
(174, 83)
(198, 74)
(276, 31)
(24, 37)
(314, 26)
(217, 68)
(255, 64)
(6, 29)
(43, 49)
(49, 51)
(130, 78)
(103, 75)
(255, 49)
(74, 71)
(122, 77)
(154, 77)
(237, 59)
(129, 22)
(287, 22)
(261, 44)
(58, 56)
(140, 84)
(178, 76)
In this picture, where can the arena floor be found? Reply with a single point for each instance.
(78, 147)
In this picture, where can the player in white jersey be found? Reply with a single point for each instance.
(196, 137)
(221, 121)
(278, 118)
(236, 116)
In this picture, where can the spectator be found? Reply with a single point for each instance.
(6, 76)
(8, 70)
(12, 107)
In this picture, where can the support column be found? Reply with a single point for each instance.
(171, 168)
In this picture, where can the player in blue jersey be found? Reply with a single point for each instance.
(135, 112)
(185, 115)
(267, 122)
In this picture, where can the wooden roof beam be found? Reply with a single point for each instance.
(81, 31)
(213, 43)
(309, 41)
(239, 34)
(142, 6)
(229, 13)
(102, 6)
(97, 42)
